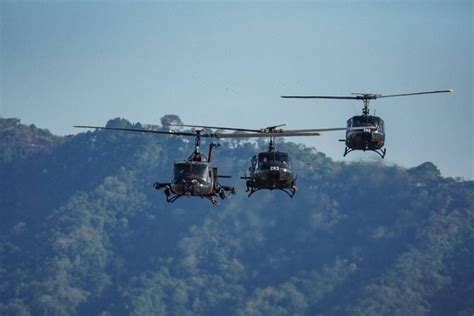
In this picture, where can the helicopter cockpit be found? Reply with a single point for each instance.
(191, 171)
(365, 120)
(267, 160)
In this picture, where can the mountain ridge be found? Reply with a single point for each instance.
(84, 232)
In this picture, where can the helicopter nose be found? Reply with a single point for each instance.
(188, 186)
(189, 181)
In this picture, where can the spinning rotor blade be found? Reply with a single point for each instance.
(362, 96)
(269, 128)
(289, 133)
(140, 130)
(317, 97)
(316, 130)
(218, 127)
(264, 134)
(416, 93)
(262, 130)
(252, 134)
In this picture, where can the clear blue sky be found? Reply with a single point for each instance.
(66, 63)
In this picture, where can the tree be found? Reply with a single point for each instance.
(119, 123)
(169, 119)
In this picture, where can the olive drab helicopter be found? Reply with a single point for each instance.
(368, 139)
(271, 169)
(197, 176)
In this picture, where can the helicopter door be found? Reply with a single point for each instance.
(253, 163)
(264, 159)
(378, 123)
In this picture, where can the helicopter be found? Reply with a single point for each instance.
(271, 169)
(197, 176)
(369, 139)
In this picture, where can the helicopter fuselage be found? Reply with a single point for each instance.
(368, 139)
(275, 177)
(271, 171)
(191, 188)
(193, 178)
(196, 176)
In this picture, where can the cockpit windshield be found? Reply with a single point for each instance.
(361, 121)
(275, 158)
(187, 170)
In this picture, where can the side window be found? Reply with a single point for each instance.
(350, 123)
(253, 163)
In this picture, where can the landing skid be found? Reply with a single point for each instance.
(380, 152)
(171, 196)
(290, 191)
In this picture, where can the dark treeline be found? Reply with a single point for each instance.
(83, 232)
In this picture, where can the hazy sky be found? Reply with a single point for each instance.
(66, 63)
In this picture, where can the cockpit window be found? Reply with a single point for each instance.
(372, 120)
(283, 157)
(380, 125)
(190, 170)
(360, 121)
(278, 158)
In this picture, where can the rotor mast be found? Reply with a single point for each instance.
(197, 142)
(271, 144)
(196, 155)
(365, 109)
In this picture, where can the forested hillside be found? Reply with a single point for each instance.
(83, 232)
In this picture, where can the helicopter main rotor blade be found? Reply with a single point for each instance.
(318, 97)
(269, 128)
(262, 130)
(218, 127)
(256, 134)
(316, 130)
(362, 96)
(290, 132)
(137, 130)
(259, 135)
(415, 93)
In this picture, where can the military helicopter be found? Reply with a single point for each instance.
(197, 176)
(372, 139)
(272, 169)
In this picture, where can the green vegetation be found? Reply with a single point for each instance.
(84, 232)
